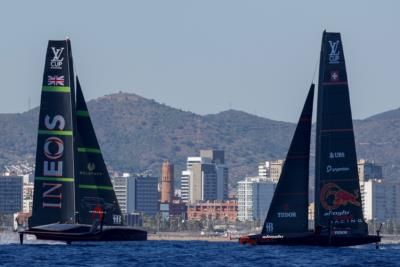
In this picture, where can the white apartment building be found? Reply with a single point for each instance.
(271, 169)
(374, 207)
(27, 197)
(254, 198)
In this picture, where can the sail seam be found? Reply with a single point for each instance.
(336, 130)
(334, 83)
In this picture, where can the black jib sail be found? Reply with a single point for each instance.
(337, 190)
(288, 212)
(54, 173)
(95, 195)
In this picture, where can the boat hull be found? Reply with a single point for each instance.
(309, 240)
(84, 233)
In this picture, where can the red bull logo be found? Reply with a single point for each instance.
(332, 197)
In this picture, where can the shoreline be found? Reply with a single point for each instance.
(172, 236)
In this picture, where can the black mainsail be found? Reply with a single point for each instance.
(288, 212)
(337, 189)
(95, 195)
(54, 173)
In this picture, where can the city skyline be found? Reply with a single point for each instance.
(260, 58)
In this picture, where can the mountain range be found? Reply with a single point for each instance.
(136, 134)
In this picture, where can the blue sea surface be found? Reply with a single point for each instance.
(192, 253)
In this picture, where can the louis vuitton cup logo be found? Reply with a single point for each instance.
(334, 55)
(57, 61)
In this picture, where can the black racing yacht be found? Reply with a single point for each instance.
(74, 199)
(338, 208)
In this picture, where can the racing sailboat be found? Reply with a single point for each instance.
(338, 208)
(73, 196)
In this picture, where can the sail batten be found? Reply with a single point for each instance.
(56, 89)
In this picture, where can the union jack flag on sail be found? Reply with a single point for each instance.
(55, 80)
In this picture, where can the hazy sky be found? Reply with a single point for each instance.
(204, 56)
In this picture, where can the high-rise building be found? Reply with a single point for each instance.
(206, 177)
(374, 200)
(11, 194)
(276, 169)
(392, 201)
(27, 197)
(137, 194)
(271, 169)
(146, 195)
(124, 189)
(167, 182)
(368, 169)
(254, 198)
(264, 169)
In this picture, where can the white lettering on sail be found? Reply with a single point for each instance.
(291, 214)
(57, 61)
(329, 169)
(55, 141)
(53, 149)
(269, 227)
(49, 168)
(335, 155)
(52, 125)
(50, 193)
(334, 55)
(117, 219)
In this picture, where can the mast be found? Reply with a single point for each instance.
(73, 109)
(288, 212)
(337, 189)
(96, 199)
(54, 172)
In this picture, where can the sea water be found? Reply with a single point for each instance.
(190, 253)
